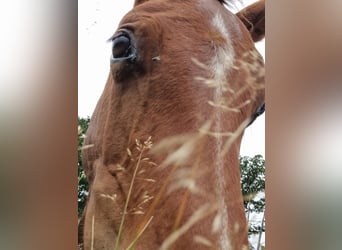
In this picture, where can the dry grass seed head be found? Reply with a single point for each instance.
(111, 197)
(202, 240)
(187, 183)
(217, 222)
(87, 146)
(198, 215)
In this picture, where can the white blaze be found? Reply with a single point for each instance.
(222, 61)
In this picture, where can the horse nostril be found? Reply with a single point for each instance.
(121, 46)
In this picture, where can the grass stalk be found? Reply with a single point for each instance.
(158, 197)
(92, 232)
(127, 200)
(187, 192)
(130, 247)
(198, 215)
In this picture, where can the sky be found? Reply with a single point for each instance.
(97, 21)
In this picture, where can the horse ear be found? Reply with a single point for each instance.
(253, 17)
(137, 2)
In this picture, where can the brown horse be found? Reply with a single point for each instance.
(161, 152)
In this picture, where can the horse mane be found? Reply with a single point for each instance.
(228, 2)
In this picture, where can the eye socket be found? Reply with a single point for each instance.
(123, 48)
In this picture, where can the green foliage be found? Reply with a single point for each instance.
(253, 180)
(82, 180)
(252, 184)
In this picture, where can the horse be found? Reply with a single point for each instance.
(161, 153)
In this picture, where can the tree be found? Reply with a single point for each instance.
(253, 190)
(253, 181)
(82, 180)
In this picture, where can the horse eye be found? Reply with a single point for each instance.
(123, 49)
(121, 46)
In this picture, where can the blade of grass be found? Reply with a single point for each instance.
(130, 247)
(127, 200)
(199, 214)
(92, 232)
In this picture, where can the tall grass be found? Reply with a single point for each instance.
(141, 147)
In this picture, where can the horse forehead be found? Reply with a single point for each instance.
(211, 14)
(194, 24)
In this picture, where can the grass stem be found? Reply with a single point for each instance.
(127, 200)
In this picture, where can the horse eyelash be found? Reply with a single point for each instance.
(109, 40)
